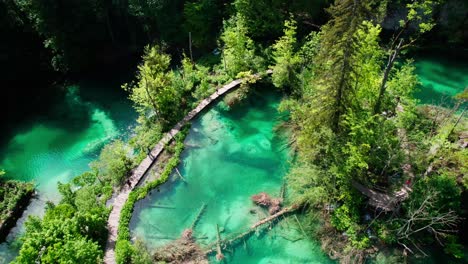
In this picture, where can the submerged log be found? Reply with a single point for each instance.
(273, 217)
(180, 175)
(253, 228)
(219, 254)
(199, 215)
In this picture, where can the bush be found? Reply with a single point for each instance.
(114, 163)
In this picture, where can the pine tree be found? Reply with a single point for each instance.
(334, 78)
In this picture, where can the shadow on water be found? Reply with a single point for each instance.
(442, 76)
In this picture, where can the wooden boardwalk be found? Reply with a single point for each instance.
(383, 201)
(139, 172)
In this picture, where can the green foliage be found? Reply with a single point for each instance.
(453, 247)
(238, 49)
(287, 61)
(68, 196)
(343, 218)
(147, 134)
(125, 252)
(67, 28)
(153, 93)
(114, 163)
(445, 190)
(159, 19)
(61, 237)
(261, 17)
(337, 60)
(420, 15)
(11, 194)
(310, 185)
(202, 18)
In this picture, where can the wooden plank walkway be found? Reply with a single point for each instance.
(139, 172)
(389, 202)
(383, 201)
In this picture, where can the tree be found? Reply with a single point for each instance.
(68, 28)
(153, 93)
(431, 208)
(336, 58)
(287, 61)
(114, 163)
(203, 18)
(238, 49)
(160, 19)
(263, 18)
(419, 16)
(59, 238)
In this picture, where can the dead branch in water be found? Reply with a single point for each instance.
(253, 228)
(199, 215)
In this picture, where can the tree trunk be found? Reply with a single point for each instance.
(456, 123)
(339, 92)
(383, 85)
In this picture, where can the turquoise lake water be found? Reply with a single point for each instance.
(230, 156)
(58, 146)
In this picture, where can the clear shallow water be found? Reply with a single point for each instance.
(60, 145)
(441, 78)
(230, 156)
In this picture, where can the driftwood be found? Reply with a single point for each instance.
(162, 206)
(219, 253)
(199, 215)
(180, 175)
(253, 228)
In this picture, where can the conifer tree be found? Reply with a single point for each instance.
(336, 59)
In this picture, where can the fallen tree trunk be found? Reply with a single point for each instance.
(213, 247)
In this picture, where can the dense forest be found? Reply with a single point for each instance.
(373, 170)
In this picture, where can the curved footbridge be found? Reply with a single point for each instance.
(140, 171)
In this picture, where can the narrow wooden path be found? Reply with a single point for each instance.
(139, 172)
(389, 202)
(383, 201)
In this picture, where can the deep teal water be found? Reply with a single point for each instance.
(59, 145)
(441, 78)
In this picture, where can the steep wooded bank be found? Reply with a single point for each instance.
(365, 148)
